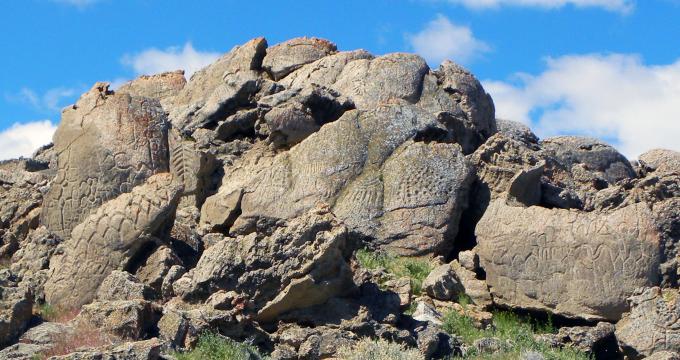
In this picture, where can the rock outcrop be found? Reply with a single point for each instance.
(302, 199)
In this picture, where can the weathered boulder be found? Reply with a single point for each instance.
(16, 308)
(405, 194)
(159, 86)
(217, 90)
(36, 341)
(106, 144)
(191, 166)
(110, 239)
(596, 341)
(660, 160)
(292, 115)
(575, 264)
(325, 71)
(578, 167)
(121, 285)
(517, 131)
(126, 319)
(36, 252)
(284, 58)
(442, 283)
(652, 325)
(21, 192)
(135, 350)
(157, 266)
(300, 264)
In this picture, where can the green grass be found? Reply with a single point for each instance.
(517, 331)
(216, 347)
(416, 269)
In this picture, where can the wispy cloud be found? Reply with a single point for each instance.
(613, 96)
(153, 61)
(52, 100)
(23, 139)
(441, 39)
(623, 6)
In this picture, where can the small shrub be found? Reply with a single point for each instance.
(368, 349)
(216, 347)
(416, 269)
(52, 313)
(83, 336)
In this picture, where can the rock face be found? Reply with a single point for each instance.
(109, 239)
(298, 265)
(106, 145)
(272, 197)
(574, 264)
(404, 193)
(652, 324)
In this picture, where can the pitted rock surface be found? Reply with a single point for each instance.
(284, 58)
(106, 144)
(582, 265)
(108, 240)
(653, 324)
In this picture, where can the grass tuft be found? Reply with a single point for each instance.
(369, 349)
(516, 331)
(416, 269)
(52, 313)
(213, 346)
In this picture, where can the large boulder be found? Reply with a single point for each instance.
(652, 325)
(660, 160)
(21, 193)
(300, 264)
(16, 308)
(160, 86)
(575, 264)
(217, 90)
(288, 56)
(107, 144)
(109, 240)
(372, 168)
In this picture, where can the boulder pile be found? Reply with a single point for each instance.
(235, 202)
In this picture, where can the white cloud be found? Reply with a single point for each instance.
(153, 61)
(441, 39)
(23, 139)
(623, 6)
(608, 96)
(50, 101)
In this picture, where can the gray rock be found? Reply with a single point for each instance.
(661, 160)
(517, 131)
(106, 144)
(219, 89)
(298, 265)
(109, 239)
(284, 58)
(192, 167)
(121, 285)
(157, 266)
(652, 324)
(36, 252)
(442, 283)
(127, 319)
(159, 86)
(575, 264)
(325, 71)
(16, 308)
(427, 313)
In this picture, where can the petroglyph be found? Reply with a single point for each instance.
(572, 263)
(106, 145)
(108, 239)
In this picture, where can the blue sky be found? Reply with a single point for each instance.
(604, 68)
